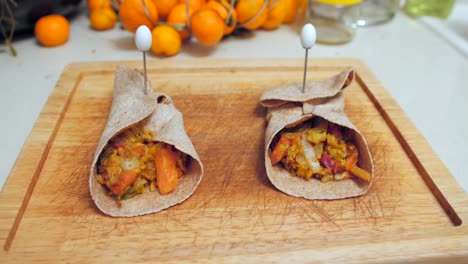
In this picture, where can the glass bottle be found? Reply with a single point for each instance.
(334, 20)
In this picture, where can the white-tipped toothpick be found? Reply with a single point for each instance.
(143, 41)
(308, 36)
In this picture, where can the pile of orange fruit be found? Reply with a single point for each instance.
(172, 22)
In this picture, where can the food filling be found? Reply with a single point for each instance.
(131, 163)
(318, 149)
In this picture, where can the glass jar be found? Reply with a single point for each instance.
(374, 12)
(435, 8)
(334, 20)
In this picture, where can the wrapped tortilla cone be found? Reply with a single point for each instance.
(289, 107)
(155, 112)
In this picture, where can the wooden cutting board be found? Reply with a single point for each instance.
(413, 212)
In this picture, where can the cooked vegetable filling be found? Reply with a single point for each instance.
(318, 149)
(131, 163)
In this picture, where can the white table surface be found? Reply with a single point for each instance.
(423, 71)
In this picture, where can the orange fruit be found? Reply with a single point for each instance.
(52, 30)
(102, 19)
(222, 7)
(291, 7)
(166, 40)
(98, 4)
(195, 4)
(248, 9)
(276, 12)
(134, 14)
(178, 17)
(164, 7)
(207, 26)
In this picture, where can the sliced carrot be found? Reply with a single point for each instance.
(351, 161)
(280, 150)
(167, 175)
(126, 178)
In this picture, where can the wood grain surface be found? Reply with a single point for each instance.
(414, 211)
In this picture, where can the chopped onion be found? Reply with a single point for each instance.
(342, 175)
(309, 152)
(130, 164)
(318, 149)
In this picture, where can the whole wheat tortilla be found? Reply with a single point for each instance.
(132, 104)
(287, 107)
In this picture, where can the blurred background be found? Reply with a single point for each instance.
(336, 21)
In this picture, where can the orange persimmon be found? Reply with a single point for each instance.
(134, 13)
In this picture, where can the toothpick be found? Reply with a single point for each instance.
(308, 36)
(143, 41)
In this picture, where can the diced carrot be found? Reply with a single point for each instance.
(337, 168)
(141, 149)
(126, 178)
(280, 150)
(167, 175)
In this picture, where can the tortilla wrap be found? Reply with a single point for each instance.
(132, 104)
(287, 107)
